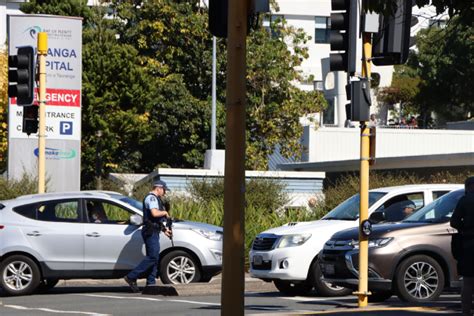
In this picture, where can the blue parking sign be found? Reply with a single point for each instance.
(65, 128)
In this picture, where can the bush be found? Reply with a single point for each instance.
(10, 189)
(260, 193)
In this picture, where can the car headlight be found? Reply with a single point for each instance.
(293, 240)
(209, 234)
(374, 243)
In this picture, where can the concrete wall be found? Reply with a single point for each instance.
(333, 144)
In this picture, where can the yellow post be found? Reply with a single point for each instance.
(364, 185)
(42, 52)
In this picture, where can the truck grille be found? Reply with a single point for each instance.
(264, 242)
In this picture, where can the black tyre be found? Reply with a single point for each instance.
(179, 267)
(19, 275)
(419, 279)
(291, 288)
(47, 284)
(380, 296)
(205, 279)
(324, 288)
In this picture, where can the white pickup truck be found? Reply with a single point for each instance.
(288, 255)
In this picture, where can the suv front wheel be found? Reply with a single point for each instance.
(419, 279)
(179, 267)
(19, 275)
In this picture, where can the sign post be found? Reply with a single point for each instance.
(42, 52)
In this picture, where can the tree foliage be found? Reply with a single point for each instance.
(445, 64)
(437, 77)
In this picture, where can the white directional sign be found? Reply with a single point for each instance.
(63, 101)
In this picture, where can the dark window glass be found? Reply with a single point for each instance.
(59, 211)
(438, 194)
(104, 212)
(322, 29)
(26, 210)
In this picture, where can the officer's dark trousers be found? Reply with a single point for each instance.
(149, 264)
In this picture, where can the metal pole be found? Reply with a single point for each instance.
(42, 52)
(213, 121)
(364, 185)
(232, 299)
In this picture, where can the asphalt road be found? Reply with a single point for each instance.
(113, 297)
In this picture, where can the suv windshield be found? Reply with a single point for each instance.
(128, 200)
(438, 211)
(349, 209)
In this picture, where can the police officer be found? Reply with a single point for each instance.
(153, 212)
(463, 220)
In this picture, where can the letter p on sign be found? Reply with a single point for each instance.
(65, 128)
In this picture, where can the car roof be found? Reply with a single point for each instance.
(97, 193)
(414, 187)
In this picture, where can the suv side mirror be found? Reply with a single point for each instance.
(136, 220)
(377, 217)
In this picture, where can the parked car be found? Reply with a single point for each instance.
(288, 255)
(411, 258)
(48, 237)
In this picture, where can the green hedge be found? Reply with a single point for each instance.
(10, 189)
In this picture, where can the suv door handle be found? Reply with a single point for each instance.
(94, 234)
(34, 233)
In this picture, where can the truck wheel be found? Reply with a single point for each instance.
(419, 279)
(19, 275)
(324, 288)
(292, 288)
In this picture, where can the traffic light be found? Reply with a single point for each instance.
(30, 119)
(218, 12)
(391, 44)
(21, 74)
(343, 36)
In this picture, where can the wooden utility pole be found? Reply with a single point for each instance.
(233, 286)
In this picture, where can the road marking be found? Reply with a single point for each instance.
(53, 310)
(148, 299)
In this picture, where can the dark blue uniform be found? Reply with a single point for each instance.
(151, 237)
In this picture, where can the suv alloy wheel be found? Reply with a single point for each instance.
(178, 267)
(419, 279)
(19, 275)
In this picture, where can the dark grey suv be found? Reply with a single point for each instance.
(411, 258)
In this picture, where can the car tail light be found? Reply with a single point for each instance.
(1, 226)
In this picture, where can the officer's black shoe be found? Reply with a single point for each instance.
(133, 284)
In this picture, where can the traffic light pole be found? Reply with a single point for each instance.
(232, 299)
(42, 52)
(364, 184)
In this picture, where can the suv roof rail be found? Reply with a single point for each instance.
(67, 193)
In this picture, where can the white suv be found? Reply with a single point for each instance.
(288, 255)
(47, 237)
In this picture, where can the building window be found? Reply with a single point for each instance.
(273, 24)
(437, 23)
(328, 113)
(318, 85)
(322, 29)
